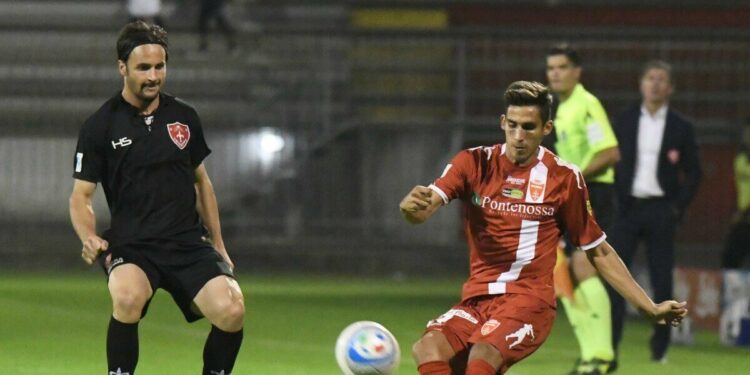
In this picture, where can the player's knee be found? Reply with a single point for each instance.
(433, 346)
(486, 352)
(232, 316)
(128, 305)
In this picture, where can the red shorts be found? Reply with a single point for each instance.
(515, 324)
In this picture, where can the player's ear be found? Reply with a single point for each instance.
(502, 122)
(547, 127)
(122, 67)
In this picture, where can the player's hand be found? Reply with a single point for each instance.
(669, 312)
(92, 247)
(418, 199)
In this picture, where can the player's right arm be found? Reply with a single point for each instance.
(420, 204)
(423, 201)
(83, 220)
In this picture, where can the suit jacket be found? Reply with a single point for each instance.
(679, 154)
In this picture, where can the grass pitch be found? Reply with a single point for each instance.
(56, 324)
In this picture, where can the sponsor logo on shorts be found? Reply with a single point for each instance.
(118, 372)
(522, 333)
(114, 263)
(449, 315)
(489, 326)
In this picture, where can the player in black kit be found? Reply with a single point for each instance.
(146, 148)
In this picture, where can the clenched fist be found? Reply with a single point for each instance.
(92, 247)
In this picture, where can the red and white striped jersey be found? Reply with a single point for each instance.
(514, 217)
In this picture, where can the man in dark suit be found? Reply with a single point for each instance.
(655, 180)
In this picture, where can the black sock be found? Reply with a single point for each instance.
(221, 351)
(122, 347)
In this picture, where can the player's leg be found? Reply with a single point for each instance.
(222, 303)
(442, 349)
(660, 255)
(484, 359)
(433, 353)
(203, 285)
(517, 325)
(130, 290)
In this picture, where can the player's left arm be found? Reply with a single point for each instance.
(208, 209)
(611, 267)
(601, 140)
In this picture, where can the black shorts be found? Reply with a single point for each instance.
(602, 197)
(180, 272)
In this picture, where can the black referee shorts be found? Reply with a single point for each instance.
(179, 271)
(602, 197)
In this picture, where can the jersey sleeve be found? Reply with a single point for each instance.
(599, 133)
(456, 177)
(198, 147)
(577, 215)
(89, 160)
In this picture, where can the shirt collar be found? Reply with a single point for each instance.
(163, 102)
(658, 115)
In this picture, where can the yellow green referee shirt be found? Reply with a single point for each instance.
(742, 180)
(583, 129)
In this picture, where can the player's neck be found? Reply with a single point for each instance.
(144, 107)
(522, 163)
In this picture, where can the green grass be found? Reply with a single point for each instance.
(56, 324)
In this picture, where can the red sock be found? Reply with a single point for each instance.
(435, 368)
(480, 367)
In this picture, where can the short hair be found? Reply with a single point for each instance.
(564, 49)
(137, 33)
(658, 64)
(530, 93)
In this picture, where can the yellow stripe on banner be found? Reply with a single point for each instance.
(400, 18)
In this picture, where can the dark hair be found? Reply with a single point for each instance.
(530, 93)
(658, 64)
(567, 50)
(137, 33)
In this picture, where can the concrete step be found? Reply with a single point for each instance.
(91, 47)
(64, 115)
(102, 80)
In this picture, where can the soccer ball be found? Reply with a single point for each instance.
(367, 348)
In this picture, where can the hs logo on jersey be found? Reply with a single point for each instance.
(123, 142)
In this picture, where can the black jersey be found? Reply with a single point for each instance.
(146, 165)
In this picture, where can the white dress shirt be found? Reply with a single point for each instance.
(650, 135)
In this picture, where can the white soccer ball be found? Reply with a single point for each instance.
(367, 348)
